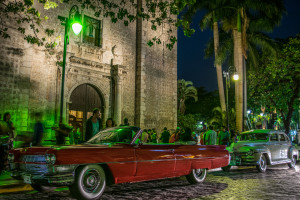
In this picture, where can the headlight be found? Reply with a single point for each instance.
(50, 158)
(250, 152)
(11, 157)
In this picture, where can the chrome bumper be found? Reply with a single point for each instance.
(53, 176)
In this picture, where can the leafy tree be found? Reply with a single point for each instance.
(185, 90)
(189, 120)
(265, 12)
(29, 13)
(206, 102)
(276, 84)
(235, 16)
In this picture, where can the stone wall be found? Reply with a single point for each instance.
(156, 81)
(31, 79)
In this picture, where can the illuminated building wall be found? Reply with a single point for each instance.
(104, 69)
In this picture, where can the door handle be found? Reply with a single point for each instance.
(171, 150)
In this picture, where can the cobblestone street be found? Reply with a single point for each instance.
(279, 182)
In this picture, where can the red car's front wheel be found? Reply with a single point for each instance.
(196, 176)
(89, 183)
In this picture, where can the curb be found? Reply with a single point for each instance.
(15, 188)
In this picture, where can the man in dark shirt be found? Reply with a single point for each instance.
(126, 123)
(165, 136)
(224, 137)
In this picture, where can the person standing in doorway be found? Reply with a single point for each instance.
(110, 123)
(75, 133)
(93, 124)
(126, 123)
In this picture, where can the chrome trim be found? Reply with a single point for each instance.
(33, 158)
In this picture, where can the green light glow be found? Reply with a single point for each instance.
(76, 27)
(61, 189)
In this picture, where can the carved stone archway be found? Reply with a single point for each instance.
(83, 99)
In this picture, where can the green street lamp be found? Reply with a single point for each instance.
(74, 22)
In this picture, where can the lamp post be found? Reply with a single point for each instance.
(74, 21)
(227, 80)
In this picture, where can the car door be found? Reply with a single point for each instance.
(154, 161)
(285, 145)
(274, 147)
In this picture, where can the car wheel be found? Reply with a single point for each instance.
(262, 164)
(226, 168)
(196, 176)
(41, 188)
(292, 164)
(89, 183)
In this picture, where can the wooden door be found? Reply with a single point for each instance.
(84, 99)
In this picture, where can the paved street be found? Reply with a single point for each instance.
(278, 182)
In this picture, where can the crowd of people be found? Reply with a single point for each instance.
(94, 124)
(204, 137)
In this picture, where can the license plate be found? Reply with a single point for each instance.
(27, 179)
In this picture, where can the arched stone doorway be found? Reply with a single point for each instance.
(83, 100)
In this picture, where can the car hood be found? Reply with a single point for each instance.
(245, 146)
(79, 154)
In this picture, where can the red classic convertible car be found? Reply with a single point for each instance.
(113, 156)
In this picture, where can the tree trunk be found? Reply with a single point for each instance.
(287, 120)
(245, 94)
(181, 106)
(239, 94)
(219, 67)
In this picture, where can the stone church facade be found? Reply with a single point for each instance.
(108, 66)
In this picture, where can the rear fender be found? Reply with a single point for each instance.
(201, 164)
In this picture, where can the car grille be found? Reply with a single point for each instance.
(34, 168)
(33, 158)
(243, 155)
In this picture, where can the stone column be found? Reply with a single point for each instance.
(106, 109)
(118, 100)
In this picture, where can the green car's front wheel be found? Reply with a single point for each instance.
(262, 164)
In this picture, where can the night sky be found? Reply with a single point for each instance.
(192, 66)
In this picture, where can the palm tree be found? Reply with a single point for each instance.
(268, 14)
(210, 20)
(219, 118)
(235, 18)
(185, 91)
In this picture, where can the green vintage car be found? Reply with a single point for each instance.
(261, 148)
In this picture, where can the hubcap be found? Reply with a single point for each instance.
(91, 180)
(293, 161)
(262, 163)
(199, 172)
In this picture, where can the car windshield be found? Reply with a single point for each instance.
(254, 136)
(113, 135)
